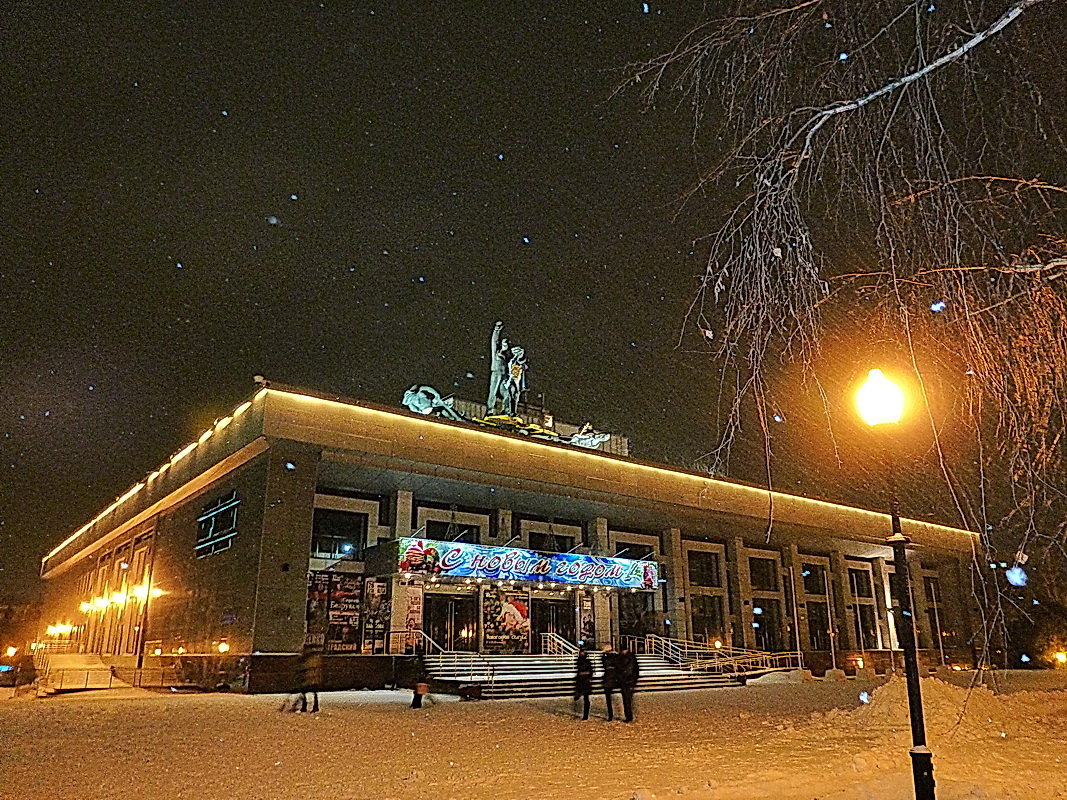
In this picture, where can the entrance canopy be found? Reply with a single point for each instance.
(425, 557)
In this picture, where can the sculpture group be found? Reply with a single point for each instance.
(507, 384)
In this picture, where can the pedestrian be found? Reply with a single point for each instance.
(583, 681)
(629, 672)
(421, 687)
(610, 661)
(309, 678)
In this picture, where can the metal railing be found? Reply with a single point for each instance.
(702, 657)
(412, 642)
(750, 662)
(555, 645)
(59, 680)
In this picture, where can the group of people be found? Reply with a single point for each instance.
(620, 675)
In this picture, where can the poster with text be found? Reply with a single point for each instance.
(506, 621)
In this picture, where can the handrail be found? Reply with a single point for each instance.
(749, 663)
(556, 645)
(413, 640)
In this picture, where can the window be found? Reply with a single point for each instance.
(634, 551)
(338, 534)
(933, 589)
(860, 582)
(217, 525)
(767, 624)
(452, 532)
(704, 568)
(866, 628)
(550, 542)
(764, 574)
(818, 626)
(814, 576)
(709, 622)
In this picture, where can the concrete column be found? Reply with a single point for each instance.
(880, 578)
(844, 614)
(596, 537)
(503, 527)
(401, 502)
(285, 546)
(604, 613)
(739, 589)
(795, 597)
(676, 572)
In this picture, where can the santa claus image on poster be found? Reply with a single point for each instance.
(515, 617)
(421, 557)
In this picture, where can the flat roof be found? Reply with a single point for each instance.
(402, 440)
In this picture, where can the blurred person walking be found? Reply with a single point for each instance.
(583, 681)
(629, 672)
(611, 678)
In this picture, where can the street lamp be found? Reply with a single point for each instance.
(879, 401)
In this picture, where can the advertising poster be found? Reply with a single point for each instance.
(376, 609)
(318, 604)
(413, 617)
(586, 627)
(344, 613)
(506, 621)
(463, 560)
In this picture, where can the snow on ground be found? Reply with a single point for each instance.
(780, 741)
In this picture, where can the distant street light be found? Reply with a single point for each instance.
(881, 402)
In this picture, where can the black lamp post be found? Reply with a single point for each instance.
(880, 401)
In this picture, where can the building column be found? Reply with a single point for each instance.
(501, 527)
(676, 573)
(596, 537)
(796, 597)
(739, 590)
(401, 503)
(844, 622)
(880, 578)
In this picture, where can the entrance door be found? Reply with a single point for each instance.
(451, 620)
(635, 614)
(551, 616)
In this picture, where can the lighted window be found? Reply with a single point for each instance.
(338, 534)
(217, 525)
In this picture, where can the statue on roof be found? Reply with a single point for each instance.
(423, 399)
(507, 374)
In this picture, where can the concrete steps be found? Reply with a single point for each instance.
(553, 675)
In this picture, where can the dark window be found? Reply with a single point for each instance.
(767, 622)
(933, 590)
(634, 551)
(814, 576)
(860, 581)
(217, 525)
(709, 621)
(818, 626)
(338, 534)
(704, 569)
(550, 542)
(452, 532)
(866, 628)
(764, 574)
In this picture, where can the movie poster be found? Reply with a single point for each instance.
(376, 615)
(506, 621)
(318, 603)
(344, 613)
(586, 625)
(413, 617)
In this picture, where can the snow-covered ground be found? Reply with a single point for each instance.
(772, 740)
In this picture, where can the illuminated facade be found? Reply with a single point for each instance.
(306, 521)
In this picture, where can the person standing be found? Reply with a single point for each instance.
(583, 681)
(499, 358)
(309, 672)
(629, 672)
(611, 678)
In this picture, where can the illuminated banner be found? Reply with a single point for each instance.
(462, 560)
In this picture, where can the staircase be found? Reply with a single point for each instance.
(552, 675)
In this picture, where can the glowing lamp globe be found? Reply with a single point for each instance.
(879, 400)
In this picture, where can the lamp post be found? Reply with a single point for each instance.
(881, 402)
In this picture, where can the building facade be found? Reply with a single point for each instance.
(304, 521)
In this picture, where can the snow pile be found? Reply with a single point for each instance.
(952, 711)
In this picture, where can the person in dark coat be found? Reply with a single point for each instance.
(583, 681)
(611, 678)
(309, 677)
(629, 672)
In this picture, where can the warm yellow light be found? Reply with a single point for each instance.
(241, 409)
(224, 647)
(879, 400)
(59, 629)
(11, 652)
(859, 663)
(100, 602)
(1061, 657)
(85, 608)
(140, 592)
(204, 436)
(181, 651)
(183, 453)
(718, 644)
(222, 423)
(157, 592)
(158, 651)
(119, 598)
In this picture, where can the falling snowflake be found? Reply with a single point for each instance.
(938, 306)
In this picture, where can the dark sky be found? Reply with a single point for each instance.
(342, 195)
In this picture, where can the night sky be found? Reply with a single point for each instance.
(339, 195)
